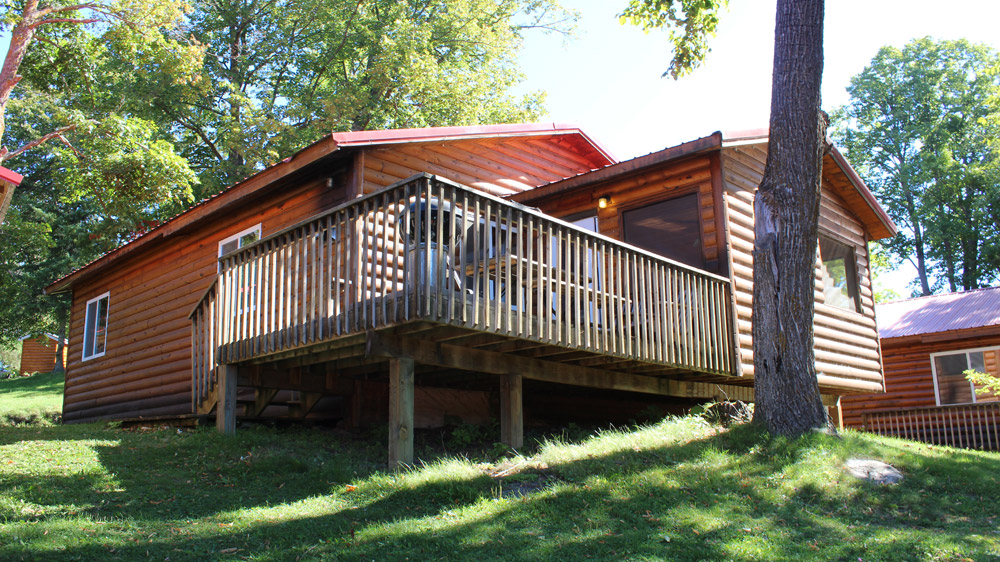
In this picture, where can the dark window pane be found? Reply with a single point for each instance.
(953, 388)
(670, 228)
(88, 329)
(840, 278)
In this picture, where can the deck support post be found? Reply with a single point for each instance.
(837, 415)
(400, 413)
(511, 411)
(225, 409)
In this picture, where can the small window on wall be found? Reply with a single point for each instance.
(239, 240)
(840, 276)
(670, 228)
(95, 327)
(950, 384)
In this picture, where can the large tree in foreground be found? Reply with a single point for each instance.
(786, 208)
(786, 219)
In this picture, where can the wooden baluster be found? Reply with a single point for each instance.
(477, 260)
(531, 239)
(314, 254)
(428, 229)
(498, 251)
(397, 259)
(510, 291)
(604, 276)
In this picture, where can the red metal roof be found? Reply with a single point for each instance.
(939, 313)
(336, 141)
(10, 176)
(390, 136)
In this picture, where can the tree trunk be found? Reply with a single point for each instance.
(786, 211)
(20, 37)
(62, 319)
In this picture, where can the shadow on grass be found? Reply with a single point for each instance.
(725, 497)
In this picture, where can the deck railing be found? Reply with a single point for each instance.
(970, 426)
(434, 250)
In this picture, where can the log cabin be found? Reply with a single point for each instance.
(417, 276)
(40, 354)
(927, 344)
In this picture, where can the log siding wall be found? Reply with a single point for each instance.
(909, 382)
(847, 351)
(499, 167)
(146, 370)
(38, 355)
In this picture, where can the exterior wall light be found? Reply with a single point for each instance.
(603, 202)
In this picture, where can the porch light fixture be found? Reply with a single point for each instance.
(603, 202)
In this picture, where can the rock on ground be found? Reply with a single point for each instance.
(874, 471)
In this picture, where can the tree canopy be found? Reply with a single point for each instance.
(922, 128)
(690, 22)
(120, 113)
(280, 74)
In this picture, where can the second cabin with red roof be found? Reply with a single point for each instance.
(421, 276)
(928, 343)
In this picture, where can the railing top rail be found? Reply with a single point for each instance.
(202, 298)
(927, 408)
(480, 194)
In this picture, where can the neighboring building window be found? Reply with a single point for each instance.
(247, 293)
(950, 384)
(238, 240)
(670, 228)
(840, 275)
(95, 331)
(587, 222)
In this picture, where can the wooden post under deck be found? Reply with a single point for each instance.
(511, 411)
(837, 415)
(225, 410)
(400, 412)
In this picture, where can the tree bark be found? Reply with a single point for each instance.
(62, 319)
(786, 211)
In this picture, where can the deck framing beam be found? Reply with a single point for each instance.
(483, 361)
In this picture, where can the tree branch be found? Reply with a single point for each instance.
(57, 134)
(63, 20)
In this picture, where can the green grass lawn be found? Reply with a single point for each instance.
(33, 400)
(675, 490)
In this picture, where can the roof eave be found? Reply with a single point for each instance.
(866, 194)
(314, 152)
(614, 171)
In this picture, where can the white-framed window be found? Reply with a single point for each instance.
(95, 327)
(240, 239)
(841, 286)
(948, 369)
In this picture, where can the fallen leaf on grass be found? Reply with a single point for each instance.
(229, 551)
(350, 488)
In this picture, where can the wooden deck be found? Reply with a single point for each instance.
(435, 272)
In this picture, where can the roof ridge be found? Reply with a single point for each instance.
(939, 295)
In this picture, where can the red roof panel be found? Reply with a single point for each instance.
(939, 313)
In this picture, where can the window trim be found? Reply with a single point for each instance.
(86, 310)
(256, 228)
(966, 352)
(858, 300)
